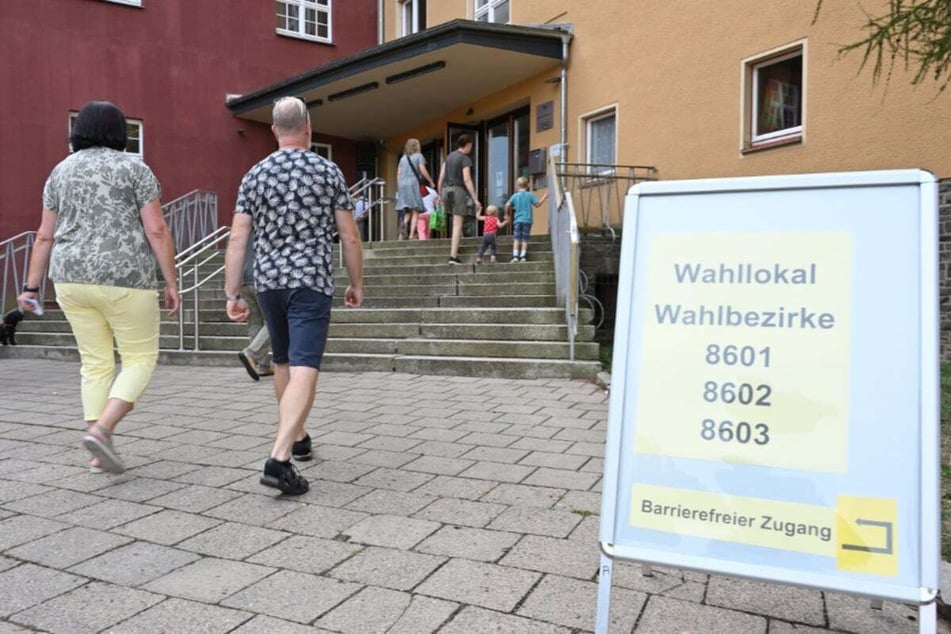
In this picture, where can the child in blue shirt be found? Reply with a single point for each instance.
(522, 202)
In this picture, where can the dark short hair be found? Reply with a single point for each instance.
(99, 124)
(462, 141)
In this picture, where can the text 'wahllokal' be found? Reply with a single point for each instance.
(743, 273)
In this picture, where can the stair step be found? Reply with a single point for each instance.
(498, 368)
(467, 257)
(413, 267)
(541, 242)
(487, 367)
(421, 315)
(501, 278)
(462, 347)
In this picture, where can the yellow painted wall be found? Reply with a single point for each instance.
(676, 74)
(676, 77)
(525, 12)
(530, 92)
(440, 11)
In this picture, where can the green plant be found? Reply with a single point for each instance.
(606, 353)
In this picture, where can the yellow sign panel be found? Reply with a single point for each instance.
(745, 349)
(866, 530)
(802, 528)
(860, 533)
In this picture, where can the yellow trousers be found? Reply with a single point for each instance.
(97, 314)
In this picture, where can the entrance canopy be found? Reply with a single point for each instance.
(382, 91)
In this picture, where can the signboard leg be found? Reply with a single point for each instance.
(604, 595)
(928, 618)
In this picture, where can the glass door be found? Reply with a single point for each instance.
(498, 167)
(453, 130)
(507, 139)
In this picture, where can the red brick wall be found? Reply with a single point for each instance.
(169, 64)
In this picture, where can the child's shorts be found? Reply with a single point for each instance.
(521, 231)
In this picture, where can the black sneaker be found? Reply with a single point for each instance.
(453, 260)
(301, 449)
(283, 476)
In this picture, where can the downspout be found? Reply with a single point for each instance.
(564, 94)
(379, 21)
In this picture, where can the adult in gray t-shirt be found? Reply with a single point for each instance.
(455, 181)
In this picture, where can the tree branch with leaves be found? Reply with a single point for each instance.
(914, 32)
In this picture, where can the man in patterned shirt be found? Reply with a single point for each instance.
(296, 201)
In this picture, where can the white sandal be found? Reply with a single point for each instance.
(101, 448)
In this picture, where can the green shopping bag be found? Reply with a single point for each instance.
(437, 219)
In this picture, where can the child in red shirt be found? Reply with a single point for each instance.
(490, 230)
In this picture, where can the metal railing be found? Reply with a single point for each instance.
(191, 217)
(373, 191)
(15, 255)
(192, 262)
(599, 190)
(189, 265)
(565, 238)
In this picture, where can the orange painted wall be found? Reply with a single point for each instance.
(676, 77)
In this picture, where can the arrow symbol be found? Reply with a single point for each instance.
(886, 550)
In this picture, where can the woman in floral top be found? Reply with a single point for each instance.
(102, 233)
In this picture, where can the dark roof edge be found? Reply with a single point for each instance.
(538, 40)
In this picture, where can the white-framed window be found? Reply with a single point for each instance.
(131, 3)
(774, 97)
(306, 19)
(600, 137)
(322, 149)
(491, 11)
(134, 144)
(412, 16)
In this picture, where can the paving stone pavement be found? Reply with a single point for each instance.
(438, 504)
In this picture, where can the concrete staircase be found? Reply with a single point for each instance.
(421, 315)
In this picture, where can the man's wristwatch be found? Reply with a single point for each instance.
(28, 289)
(233, 298)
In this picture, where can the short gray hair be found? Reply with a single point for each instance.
(290, 114)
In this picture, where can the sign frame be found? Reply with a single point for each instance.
(927, 497)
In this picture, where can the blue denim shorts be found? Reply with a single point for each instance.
(521, 231)
(297, 320)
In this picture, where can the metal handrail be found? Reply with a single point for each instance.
(189, 266)
(374, 191)
(189, 261)
(565, 243)
(184, 254)
(600, 190)
(15, 267)
(191, 217)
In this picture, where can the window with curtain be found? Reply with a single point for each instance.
(601, 133)
(305, 19)
(775, 98)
